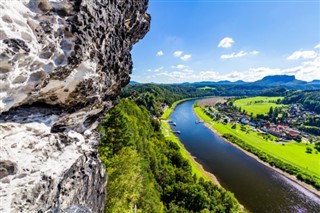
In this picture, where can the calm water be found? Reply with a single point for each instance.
(256, 186)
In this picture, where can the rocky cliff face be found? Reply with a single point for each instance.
(62, 65)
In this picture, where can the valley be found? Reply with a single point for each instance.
(263, 129)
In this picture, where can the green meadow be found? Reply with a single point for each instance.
(291, 152)
(257, 105)
(207, 88)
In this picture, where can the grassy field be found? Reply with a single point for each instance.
(292, 152)
(207, 88)
(257, 105)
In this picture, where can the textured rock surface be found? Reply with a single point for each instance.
(62, 65)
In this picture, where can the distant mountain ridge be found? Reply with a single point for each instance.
(278, 78)
(287, 81)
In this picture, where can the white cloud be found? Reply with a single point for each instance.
(186, 57)
(239, 54)
(254, 52)
(158, 69)
(179, 66)
(317, 46)
(160, 53)
(307, 70)
(188, 70)
(226, 42)
(233, 55)
(177, 53)
(309, 54)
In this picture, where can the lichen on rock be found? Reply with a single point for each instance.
(62, 66)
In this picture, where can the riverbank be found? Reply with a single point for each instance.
(291, 177)
(166, 114)
(197, 168)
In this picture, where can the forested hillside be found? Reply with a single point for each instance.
(153, 96)
(308, 99)
(147, 172)
(164, 93)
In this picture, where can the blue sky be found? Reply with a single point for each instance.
(205, 40)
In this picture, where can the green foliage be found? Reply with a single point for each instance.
(312, 121)
(275, 92)
(311, 129)
(125, 181)
(309, 99)
(153, 96)
(308, 150)
(317, 146)
(146, 169)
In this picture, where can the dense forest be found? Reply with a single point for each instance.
(164, 93)
(147, 172)
(309, 99)
(153, 96)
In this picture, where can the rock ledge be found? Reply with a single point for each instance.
(62, 66)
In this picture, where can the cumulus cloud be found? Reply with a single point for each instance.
(317, 46)
(188, 70)
(308, 54)
(239, 54)
(307, 70)
(186, 57)
(158, 69)
(233, 55)
(179, 66)
(183, 57)
(226, 42)
(160, 53)
(178, 53)
(254, 52)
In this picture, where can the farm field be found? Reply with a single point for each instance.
(212, 101)
(207, 88)
(292, 152)
(257, 105)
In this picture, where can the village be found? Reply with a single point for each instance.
(282, 122)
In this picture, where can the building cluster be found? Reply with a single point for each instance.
(297, 114)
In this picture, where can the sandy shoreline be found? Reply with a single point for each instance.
(291, 177)
(209, 174)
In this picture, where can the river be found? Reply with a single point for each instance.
(258, 187)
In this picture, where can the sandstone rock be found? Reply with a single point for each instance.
(62, 65)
